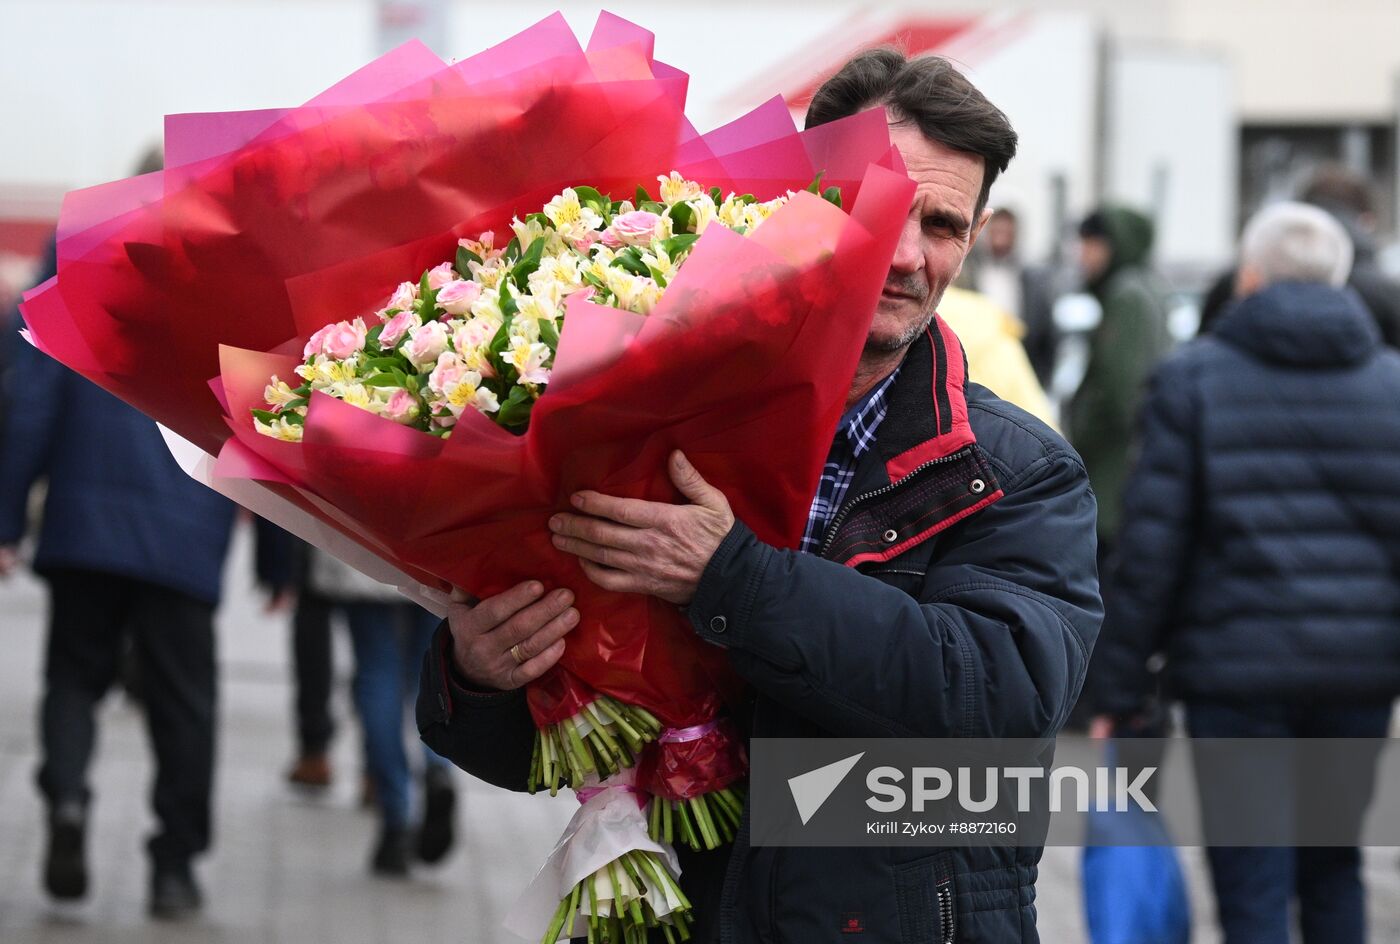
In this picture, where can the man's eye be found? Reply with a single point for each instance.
(939, 225)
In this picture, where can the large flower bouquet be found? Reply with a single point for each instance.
(572, 313)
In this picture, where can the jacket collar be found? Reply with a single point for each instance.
(927, 418)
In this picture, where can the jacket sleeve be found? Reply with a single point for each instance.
(35, 388)
(996, 646)
(1144, 578)
(490, 735)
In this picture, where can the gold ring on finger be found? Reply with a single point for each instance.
(519, 656)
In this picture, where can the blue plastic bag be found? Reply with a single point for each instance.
(1133, 894)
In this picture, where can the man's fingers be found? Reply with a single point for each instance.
(628, 511)
(618, 581)
(599, 531)
(531, 669)
(532, 619)
(546, 636)
(692, 485)
(493, 611)
(607, 556)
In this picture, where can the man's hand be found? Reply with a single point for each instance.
(9, 559)
(633, 546)
(281, 601)
(505, 641)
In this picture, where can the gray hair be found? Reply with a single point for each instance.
(1294, 242)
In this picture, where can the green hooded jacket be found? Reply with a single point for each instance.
(1123, 349)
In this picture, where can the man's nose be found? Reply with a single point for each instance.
(908, 254)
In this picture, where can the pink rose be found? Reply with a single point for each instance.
(339, 341)
(456, 297)
(404, 296)
(585, 242)
(396, 327)
(632, 229)
(439, 276)
(471, 335)
(449, 372)
(401, 408)
(425, 343)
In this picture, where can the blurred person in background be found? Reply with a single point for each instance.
(996, 359)
(1260, 547)
(1351, 199)
(995, 269)
(132, 550)
(1115, 248)
(390, 637)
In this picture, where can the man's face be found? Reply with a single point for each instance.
(1001, 236)
(1095, 255)
(937, 235)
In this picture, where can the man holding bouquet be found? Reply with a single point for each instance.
(945, 586)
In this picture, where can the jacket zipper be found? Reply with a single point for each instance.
(946, 918)
(845, 510)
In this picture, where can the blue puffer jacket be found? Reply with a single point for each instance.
(956, 595)
(117, 502)
(1261, 542)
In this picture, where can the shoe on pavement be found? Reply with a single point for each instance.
(390, 858)
(310, 770)
(174, 894)
(438, 830)
(65, 864)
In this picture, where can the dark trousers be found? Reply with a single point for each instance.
(313, 663)
(1254, 886)
(91, 616)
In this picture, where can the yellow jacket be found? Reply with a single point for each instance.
(995, 357)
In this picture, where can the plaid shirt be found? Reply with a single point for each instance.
(855, 434)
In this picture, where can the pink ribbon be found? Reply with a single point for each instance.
(587, 793)
(694, 733)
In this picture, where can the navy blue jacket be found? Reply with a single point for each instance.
(117, 502)
(956, 596)
(1261, 542)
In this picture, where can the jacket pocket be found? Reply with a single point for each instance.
(925, 895)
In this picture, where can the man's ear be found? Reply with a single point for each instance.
(977, 227)
(1247, 281)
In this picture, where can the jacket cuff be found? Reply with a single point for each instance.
(450, 690)
(728, 586)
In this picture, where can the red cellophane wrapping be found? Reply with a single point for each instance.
(265, 226)
(685, 768)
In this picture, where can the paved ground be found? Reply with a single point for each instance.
(288, 869)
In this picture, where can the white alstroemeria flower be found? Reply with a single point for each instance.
(633, 292)
(675, 188)
(705, 211)
(569, 215)
(528, 358)
(488, 274)
(278, 394)
(538, 307)
(488, 309)
(661, 262)
(279, 429)
(323, 372)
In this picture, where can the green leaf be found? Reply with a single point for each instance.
(716, 195)
(516, 410)
(746, 198)
(630, 260)
(816, 185)
(508, 306)
(651, 206)
(382, 363)
(678, 244)
(501, 339)
(384, 380)
(683, 216)
(512, 249)
(657, 276)
(372, 335)
(588, 196)
(527, 265)
(549, 335)
(297, 404)
(593, 280)
(423, 287)
(641, 197)
(265, 416)
(832, 195)
(303, 391)
(465, 257)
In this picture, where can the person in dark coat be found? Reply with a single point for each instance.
(131, 548)
(1260, 549)
(944, 588)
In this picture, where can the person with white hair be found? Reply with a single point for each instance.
(1260, 550)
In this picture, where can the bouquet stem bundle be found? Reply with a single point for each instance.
(618, 901)
(707, 821)
(601, 739)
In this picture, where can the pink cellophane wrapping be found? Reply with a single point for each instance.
(267, 225)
